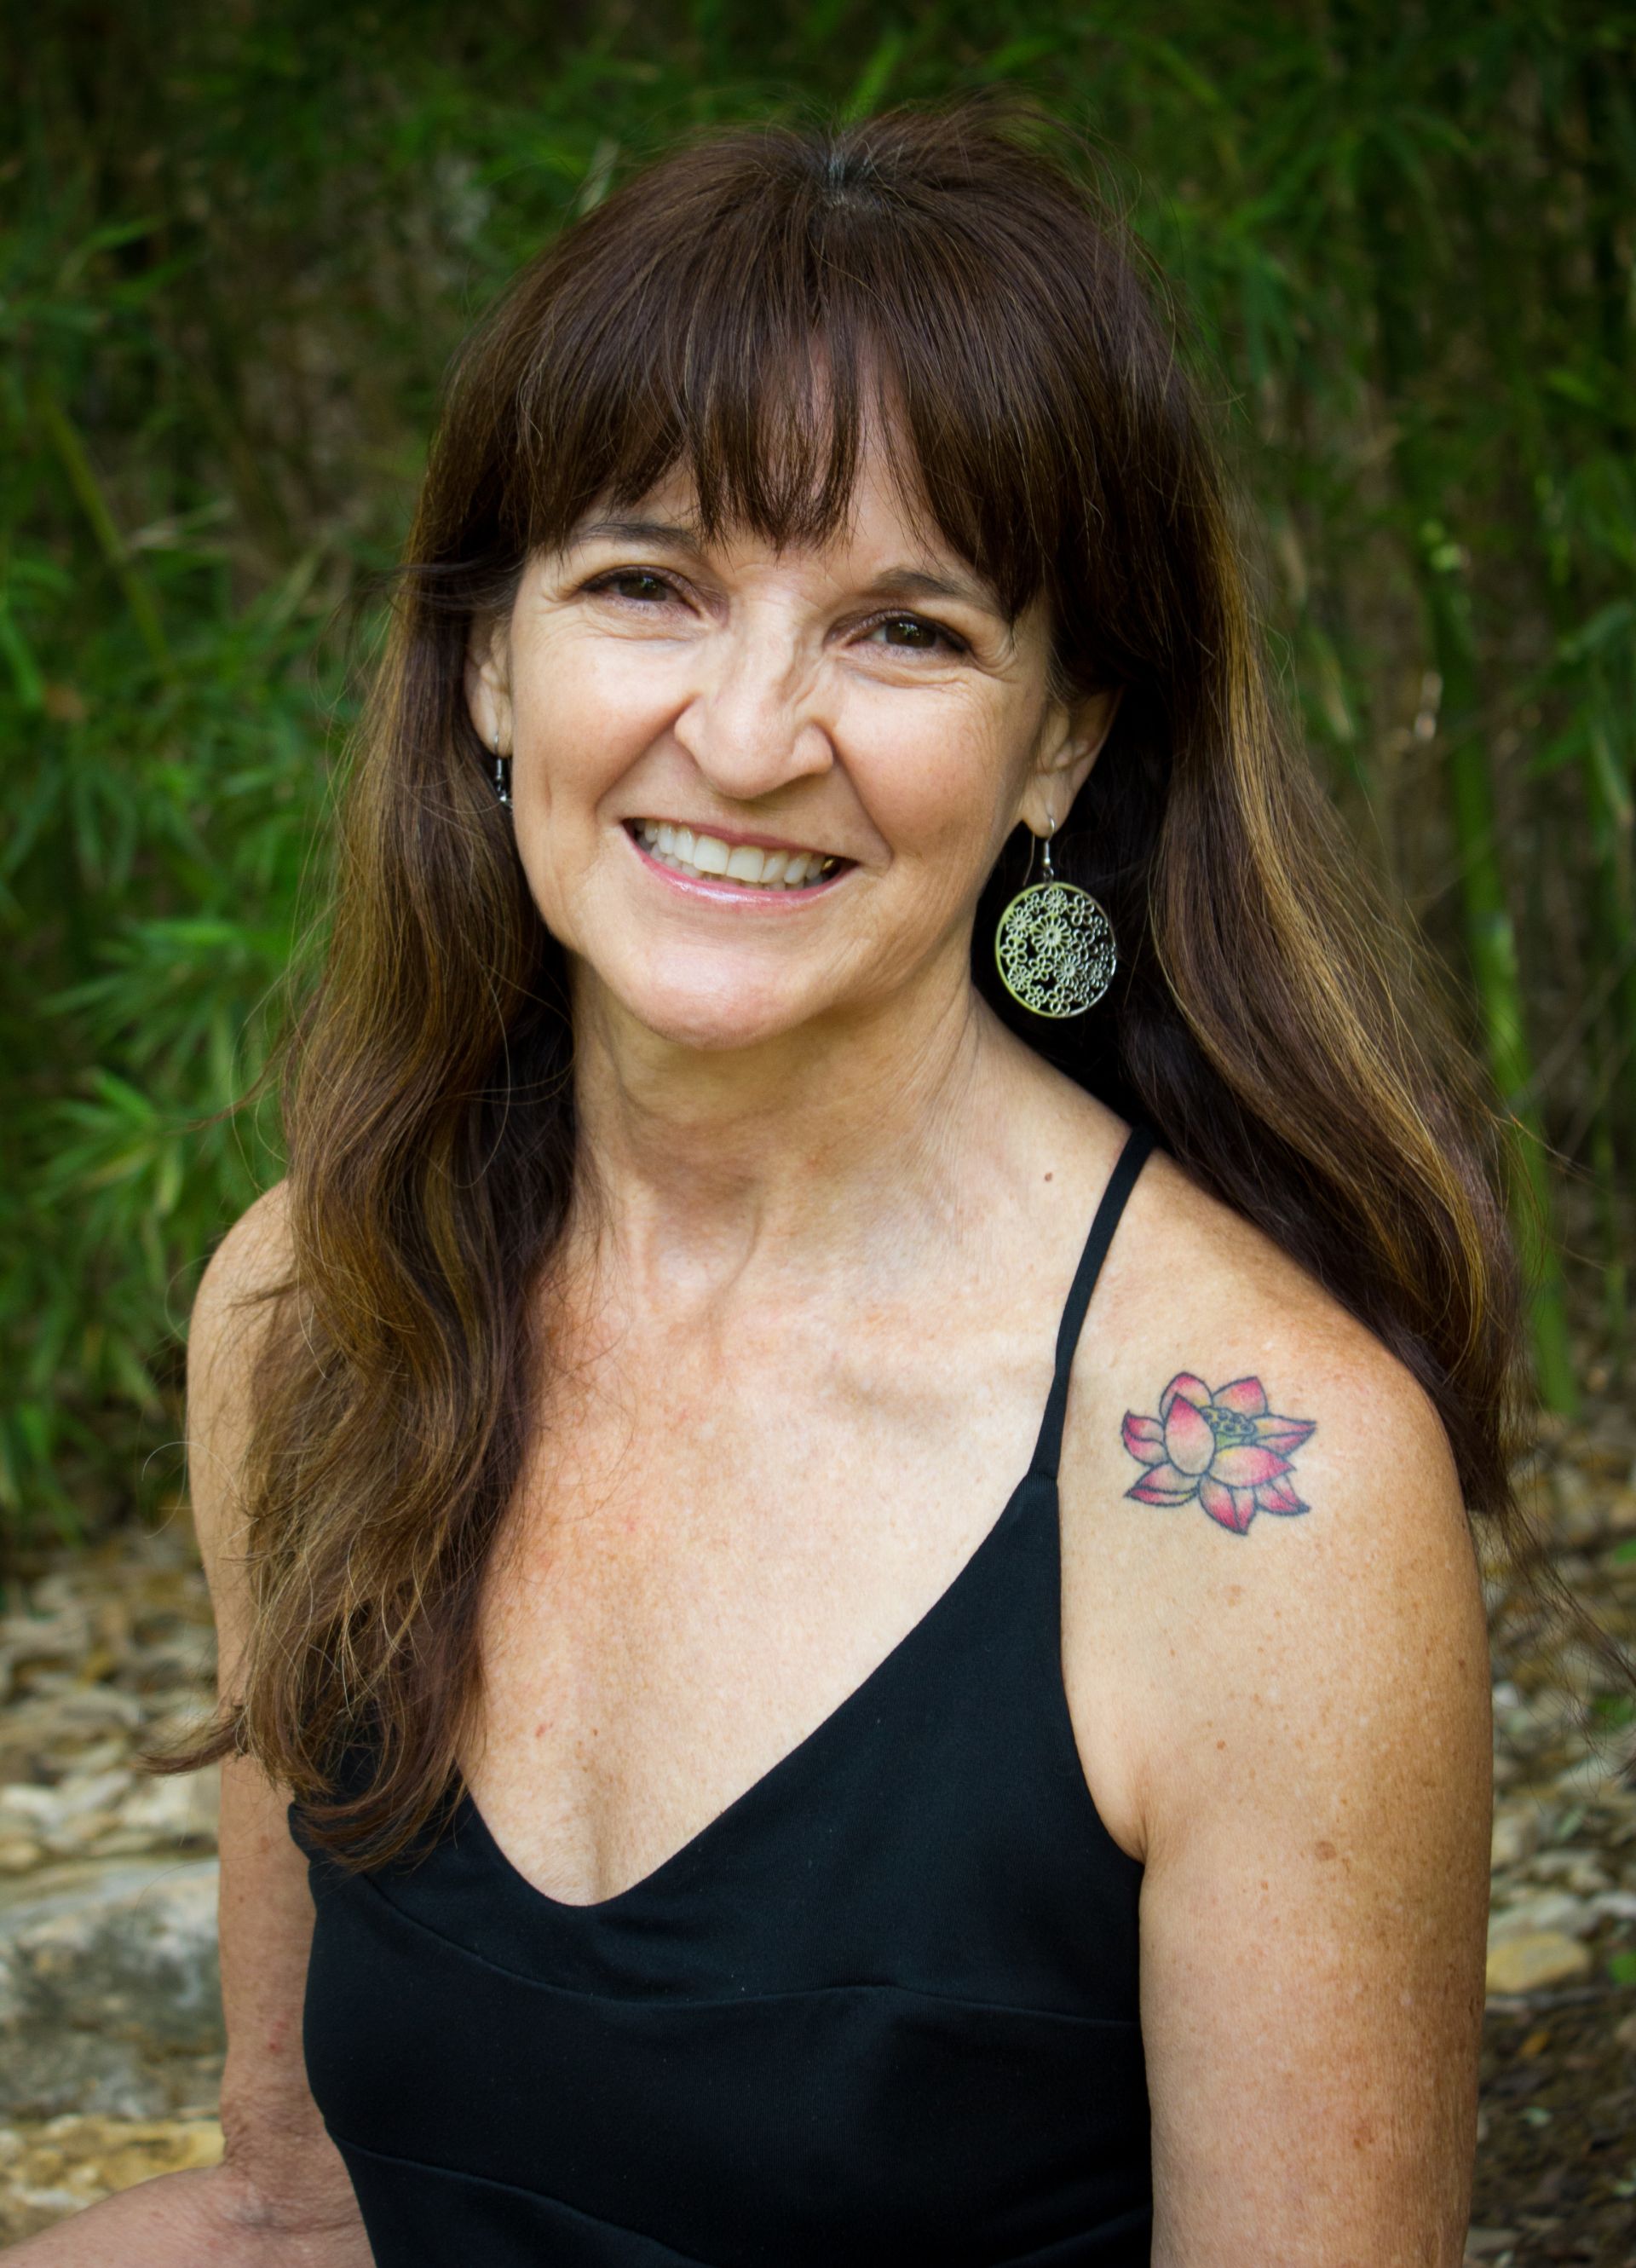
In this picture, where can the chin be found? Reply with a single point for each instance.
(712, 1020)
(718, 1033)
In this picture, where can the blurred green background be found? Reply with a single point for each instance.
(237, 246)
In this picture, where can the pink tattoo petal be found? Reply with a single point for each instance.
(1163, 1485)
(1188, 1441)
(1233, 1508)
(1144, 1438)
(1283, 1432)
(1244, 1395)
(1243, 1466)
(1228, 1449)
(1184, 1383)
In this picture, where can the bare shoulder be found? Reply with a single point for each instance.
(1270, 1492)
(249, 1263)
(1264, 1536)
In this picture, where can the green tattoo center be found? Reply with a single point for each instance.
(1230, 1426)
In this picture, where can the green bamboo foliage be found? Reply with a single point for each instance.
(235, 255)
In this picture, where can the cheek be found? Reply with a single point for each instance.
(936, 778)
(579, 725)
(585, 709)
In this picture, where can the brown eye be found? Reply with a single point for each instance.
(913, 634)
(632, 583)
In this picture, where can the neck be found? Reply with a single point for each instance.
(711, 1176)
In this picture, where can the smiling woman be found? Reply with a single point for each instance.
(725, 1760)
(649, 683)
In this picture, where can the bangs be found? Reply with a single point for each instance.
(758, 316)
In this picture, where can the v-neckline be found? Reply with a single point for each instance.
(767, 1783)
(1041, 1470)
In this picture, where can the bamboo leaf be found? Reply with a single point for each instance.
(876, 76)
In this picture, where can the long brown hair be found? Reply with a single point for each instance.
(1272, 1016)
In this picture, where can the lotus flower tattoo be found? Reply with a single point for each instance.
(1227, 1449)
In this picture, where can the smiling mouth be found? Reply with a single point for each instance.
(706, 857)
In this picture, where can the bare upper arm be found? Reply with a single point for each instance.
(1317, 1795)
(274, 2135)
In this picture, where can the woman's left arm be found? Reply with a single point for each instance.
(1315, 1900)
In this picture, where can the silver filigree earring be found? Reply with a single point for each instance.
(1054, 944)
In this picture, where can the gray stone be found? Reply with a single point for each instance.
(106, 1971)
(47, 2073)
(1571, 1869)
(1557, 1911)
(1515, 1835)
(1599, 1777)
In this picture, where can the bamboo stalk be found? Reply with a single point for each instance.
(1491, 941)
(83, 480)
(1615, 1278)
(1601, 773)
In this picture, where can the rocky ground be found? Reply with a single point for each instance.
(110, 2005)
(110, 2017)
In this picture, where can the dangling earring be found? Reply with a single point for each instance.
(1054, 944)
(502, 774)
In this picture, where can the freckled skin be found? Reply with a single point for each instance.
(1345, 1652)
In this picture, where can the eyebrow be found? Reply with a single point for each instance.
(892, 582)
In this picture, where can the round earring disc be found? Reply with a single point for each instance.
(1055, 949)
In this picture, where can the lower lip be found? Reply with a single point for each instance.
(746, 896)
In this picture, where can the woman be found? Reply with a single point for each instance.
(836, 1494)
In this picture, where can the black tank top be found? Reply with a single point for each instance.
(881, 2012)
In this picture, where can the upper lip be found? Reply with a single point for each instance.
(732, 835)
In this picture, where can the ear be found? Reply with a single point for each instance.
(487, 681)
(1069, 744)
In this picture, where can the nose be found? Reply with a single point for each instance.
(752, 724)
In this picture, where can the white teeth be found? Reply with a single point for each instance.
(744, 862)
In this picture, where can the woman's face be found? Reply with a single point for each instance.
(865, 702)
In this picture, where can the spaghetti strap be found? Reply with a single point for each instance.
(1121, 1181)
